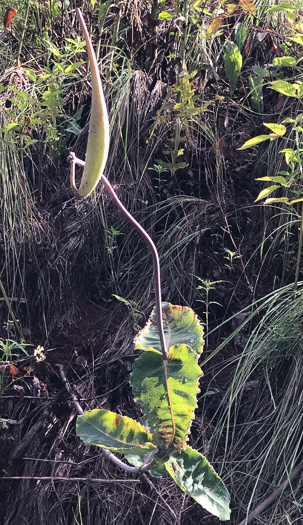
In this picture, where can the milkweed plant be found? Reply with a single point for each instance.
(165, 376)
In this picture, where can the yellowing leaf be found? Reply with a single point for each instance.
(267, 191)
(277, 129)
(285, 61)
(284, 87)
(214, 26)
(248, 6)
(230, 8)
(271, 200)
(255, 140)
(296, 200)
(297, 38)
(279, 179)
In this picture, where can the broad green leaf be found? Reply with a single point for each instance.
(181, 326)
(11, 126)
(71, 67)
(116, 433)
(197, 478)
(240, 34)
(278, 129)
(284, 61)
(255, 140)
(233, 63)
(279, 179)
(31, 74)
(165, 15)
(167, 397)
(267, 191)
(290, 156)
(298, 38)
(283, 87)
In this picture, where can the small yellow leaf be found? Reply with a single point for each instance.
(214, 26)
(230, 8)
(248, 6)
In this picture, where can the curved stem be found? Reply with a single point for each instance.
(156, 261)
(157, 276)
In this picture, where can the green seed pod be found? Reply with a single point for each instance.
(98, 134)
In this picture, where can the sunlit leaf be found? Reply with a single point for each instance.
(165, 15)
(116, 433)
(267, 191)
(284, 61)
(296, 200)
(230, 8)
(181, 326)
(255, 140)
(197, 478)
(277, 129)
(271, 200)
(167, 397)
(31, 74)
(281, 86)
(214, 26)
(71, 67)
(248, 6)
(298, 38)
(233, 64)
(279, 179)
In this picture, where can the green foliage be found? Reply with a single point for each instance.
(195, 476)
(181, 326)
(166, 390)
(233, 64)
(167, 395)
(114, 432)
(41, 106)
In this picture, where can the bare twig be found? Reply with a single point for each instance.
(62, 478)
(271, 498)
(159, 495)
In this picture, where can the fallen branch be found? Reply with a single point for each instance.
(271, 498)
(62, 478)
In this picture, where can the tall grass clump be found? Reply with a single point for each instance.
(259, 422)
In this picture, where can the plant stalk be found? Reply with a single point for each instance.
(298, 256)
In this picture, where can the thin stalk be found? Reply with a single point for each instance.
(9, 307)
(299, 255)
(23, 32)
(157, 275)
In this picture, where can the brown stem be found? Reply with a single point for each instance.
(157, 276)
(271, 498)
(62, 478)
(298, 256)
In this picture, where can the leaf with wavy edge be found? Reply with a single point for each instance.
(195, 476)
(168, 403)
(114, 432)
(181, 326)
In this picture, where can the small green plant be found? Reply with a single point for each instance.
(289, 180)
(165, 376)
(206, 286)
(9, 350)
